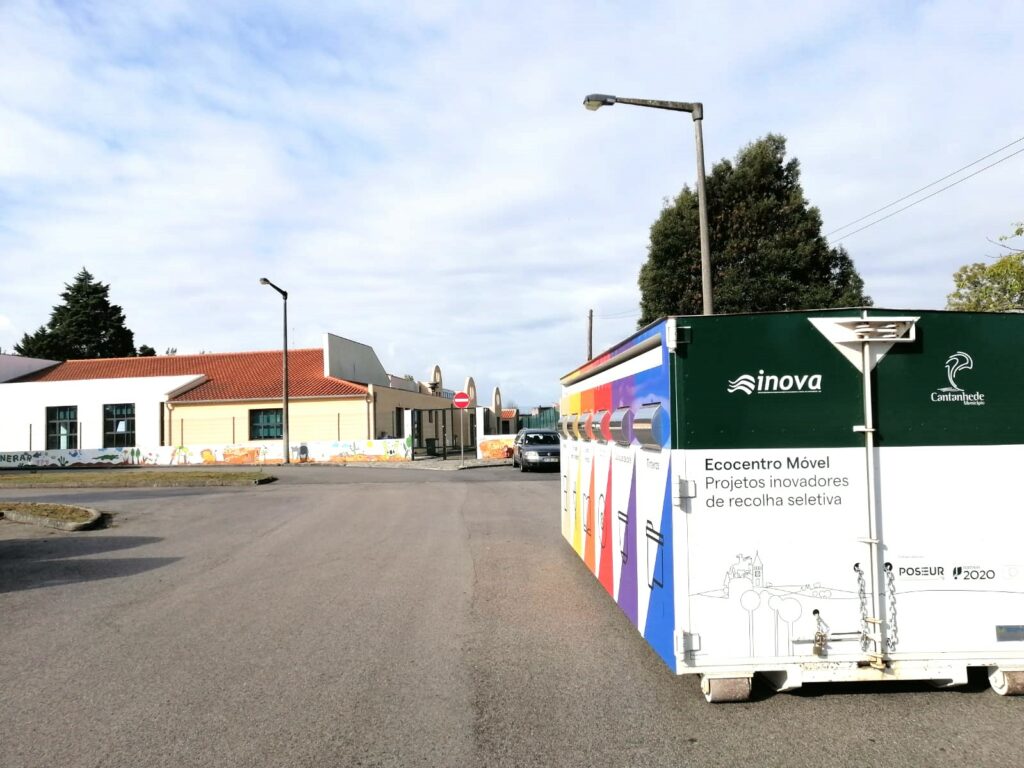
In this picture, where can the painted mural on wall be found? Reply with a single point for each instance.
(322, 452)
(494, 446)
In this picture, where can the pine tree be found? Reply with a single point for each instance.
(86, 325)
(767, 249)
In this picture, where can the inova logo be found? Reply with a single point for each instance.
(771, 384)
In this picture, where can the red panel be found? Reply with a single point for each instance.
(588, 545)
(605, 575)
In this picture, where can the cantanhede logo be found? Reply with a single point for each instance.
(770, 384)
(954, 393)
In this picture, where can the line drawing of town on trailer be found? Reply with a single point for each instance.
(763, 613)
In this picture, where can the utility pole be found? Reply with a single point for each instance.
(590, 334)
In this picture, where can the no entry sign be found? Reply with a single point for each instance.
(461, 400)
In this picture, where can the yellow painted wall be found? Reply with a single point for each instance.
(308, 420)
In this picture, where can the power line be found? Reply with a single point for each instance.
(927, 197)
(927, 186)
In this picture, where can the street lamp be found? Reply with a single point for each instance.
(696, 109)
(284, 395)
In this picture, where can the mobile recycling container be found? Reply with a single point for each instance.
(814, 496)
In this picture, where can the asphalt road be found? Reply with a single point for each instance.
(365, 617)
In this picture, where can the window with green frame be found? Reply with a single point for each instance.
(265, 424)
(119, 425)
(62, 427)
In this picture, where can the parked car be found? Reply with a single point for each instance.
(535, 448)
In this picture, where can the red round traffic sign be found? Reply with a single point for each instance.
(461, 400)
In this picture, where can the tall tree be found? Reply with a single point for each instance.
(86, 325)
(994, 287)
(767, 249)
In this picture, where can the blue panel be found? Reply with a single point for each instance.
(661, 618)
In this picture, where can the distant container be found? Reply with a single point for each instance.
(755, 503)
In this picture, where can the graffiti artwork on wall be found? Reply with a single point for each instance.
(333, 452)
(495, 446)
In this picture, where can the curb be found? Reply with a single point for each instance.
(423, 464)
(49, 522)
(64, 486)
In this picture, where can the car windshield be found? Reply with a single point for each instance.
(540, 438)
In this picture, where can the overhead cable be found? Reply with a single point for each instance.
(926, 197)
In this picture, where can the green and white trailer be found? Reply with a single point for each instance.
(812, 496)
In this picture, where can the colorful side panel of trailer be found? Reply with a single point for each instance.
(616, 461)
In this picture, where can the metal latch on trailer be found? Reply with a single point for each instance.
(677, 336)
(686, 642)
(683, 489)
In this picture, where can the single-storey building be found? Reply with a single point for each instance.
(509, 420)
(339, 392)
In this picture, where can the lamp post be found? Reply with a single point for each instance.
(284, 394)
(696, 109)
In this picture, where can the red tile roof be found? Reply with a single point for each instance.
(230, 376)
(509, 413)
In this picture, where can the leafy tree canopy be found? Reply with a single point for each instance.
(86, 325)
(994, 287)
(767, 249)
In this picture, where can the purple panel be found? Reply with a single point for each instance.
(627, 582)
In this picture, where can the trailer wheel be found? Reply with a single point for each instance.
(1006, 682)
(718, 690)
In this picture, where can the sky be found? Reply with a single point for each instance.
(422, 176)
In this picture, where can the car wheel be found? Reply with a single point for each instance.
(522, 466)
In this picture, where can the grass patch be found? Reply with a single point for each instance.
(63, 512)
(129, 478)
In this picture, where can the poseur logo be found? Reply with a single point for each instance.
(954, 393)
(771, 384)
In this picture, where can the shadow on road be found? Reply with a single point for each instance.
(51, 562)
(977, 682)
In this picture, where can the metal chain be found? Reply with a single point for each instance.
(893, 636)
(862, 593)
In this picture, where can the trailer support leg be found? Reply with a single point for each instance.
(718, 690)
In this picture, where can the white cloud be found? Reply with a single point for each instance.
(422, 176)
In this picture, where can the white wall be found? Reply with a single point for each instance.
(352, 361)
(24, 405)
